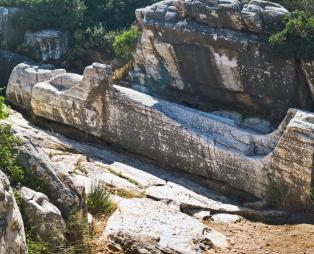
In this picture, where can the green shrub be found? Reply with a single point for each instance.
(98, 200)
(277, 194)
(3, 108)
(39, 14)
(297, 5)
(92, 38)
(8, 143)
(124, 44)
(113, 14)
(297, 37)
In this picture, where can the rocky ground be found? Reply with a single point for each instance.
(160, 211)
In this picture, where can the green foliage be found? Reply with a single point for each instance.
(3, 108)
(125, 43)
(40, 14)
(113, 14)
(78, 235)
(8, 143)
(297, 5)
(277, 194)
(98, 200)
(92, 38)
(297, 37)
(37, 247)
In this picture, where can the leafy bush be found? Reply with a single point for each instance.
(92, 38)
(98, 200)
(297, 37)
(3, 108)
(40, 14)
(125, 43)
(297, 5)
(113, 14)
(8, 143)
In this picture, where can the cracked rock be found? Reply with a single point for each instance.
(147, 226)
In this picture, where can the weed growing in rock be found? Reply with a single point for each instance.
(98, 200)
(3, 108)
(277, 194)
(8, 143)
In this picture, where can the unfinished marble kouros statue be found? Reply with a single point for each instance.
(211, 145)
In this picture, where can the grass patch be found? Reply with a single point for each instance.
(98, 200)
(127, 194)
(119, 174)
(4, 110)
(277, 194)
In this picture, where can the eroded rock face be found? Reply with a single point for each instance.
(147, 226)
(21, 83)
(204, 144)
(216, 52)
(12, 237)
(43, 217)
(9, 34)
(48, 44)
(308, 69)
(8, 61)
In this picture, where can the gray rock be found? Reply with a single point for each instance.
(21, 83)
(10, 35)
(224, 218)
(8, 61)
(199, 143)
(257, 124)
(308, 69)
(43, 217)
(146, 226)
(216, 53)
(12, 237)
(48, 44)
(32, 159)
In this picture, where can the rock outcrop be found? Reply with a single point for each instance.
(21, 82)
(12, 237)
(44, 219)
(47, 45)
(160, 229)
(10, 35)
(203, 144)
(8, 61)
(214, 52)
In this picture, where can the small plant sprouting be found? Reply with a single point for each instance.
(98, 200)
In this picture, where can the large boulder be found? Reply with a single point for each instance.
(10, 35)
(22, 80)
(12, 237)
(204, 144)
(216, 53)
(8, 61)
(37, 163)
(44, 219)
(147, 226)
(47, 45)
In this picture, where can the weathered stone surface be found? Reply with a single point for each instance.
(32, 158)
(8, 61)
(226, 218)
(216, 53)
(21, 83)
(146, 226)
(12, 237)
(10, 35)
(48, 44)
(308, 69)
(200, 143)
(43, 217)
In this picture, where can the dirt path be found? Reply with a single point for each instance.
(248, 237)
